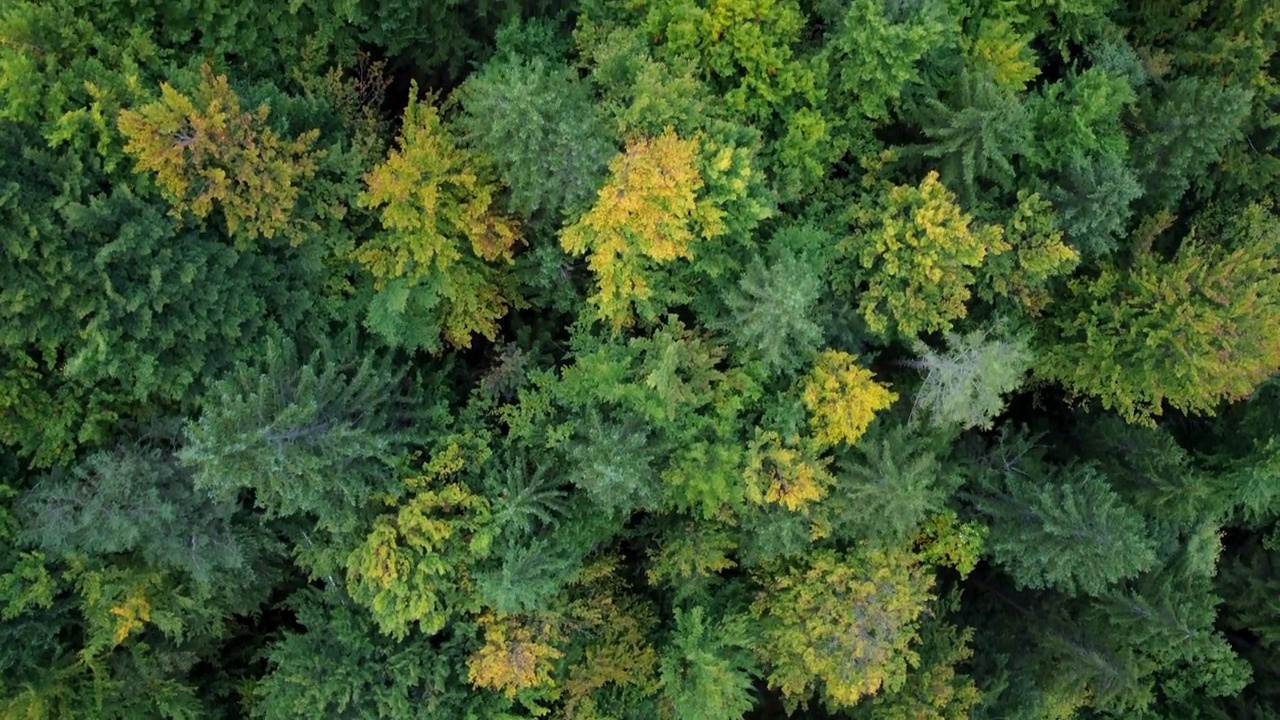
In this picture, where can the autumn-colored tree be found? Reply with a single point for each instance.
(440, 228)
(647, 213)
(999, 51)
(610, 657)
(841, 624)
(842, 398)
(1036, 255)
(917, 251)
(205, 149)
(790, 474)
(518, 653)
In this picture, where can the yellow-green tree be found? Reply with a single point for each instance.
(1192, 332)
(841, 624)
(647, 213)
(440, 229)
(842, 398)
(414, 566)
(917, 251)
(1037, 254)
(790, 474)
(206, 149)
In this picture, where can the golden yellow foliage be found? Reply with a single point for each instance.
(207, 149)
(842, 398)
(440, 226)
(133, 613)
(646, 212)
(432, 196)
(518, 653)
(1004, 54)
(787, 474)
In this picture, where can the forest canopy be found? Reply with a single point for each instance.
(613, 359)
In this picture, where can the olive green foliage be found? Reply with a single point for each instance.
(608, 359)
(1112, 339)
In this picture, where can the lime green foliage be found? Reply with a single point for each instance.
(874, 56)
(1036, 255)
(999, 51)
(1080, 118)
(706, 672)
(743, 48)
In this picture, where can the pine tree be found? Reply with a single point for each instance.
(975, 134)
(316, 437)
(965, 387)
(1093, 198)
(886, 487)
(1186, 124)
(1059, 528)
(706, 668)
(775, 311)
(140, 501)
(535, 121)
